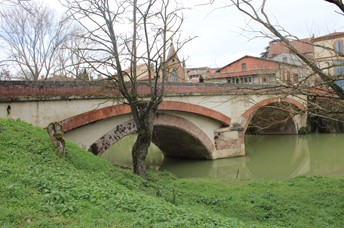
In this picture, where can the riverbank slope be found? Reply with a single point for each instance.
(38, 188)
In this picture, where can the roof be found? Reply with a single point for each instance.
(253, 57)
(197, 72)
(188, 69)
(277, 47)
(246, 73)
(331, 36)
(305, 46)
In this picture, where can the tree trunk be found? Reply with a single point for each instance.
(140, 148)
(55, 132)
(139, 153)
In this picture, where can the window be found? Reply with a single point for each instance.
(173, 76)
(288, 75)
(283, 75)
(243, 66)
(339, 46)
(295, 77)
(339, 68)
(264, 80)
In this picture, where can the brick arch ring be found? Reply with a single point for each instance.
(248, 114)
(122, 109)
(178, 124)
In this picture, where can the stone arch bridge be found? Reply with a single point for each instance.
(203, 121)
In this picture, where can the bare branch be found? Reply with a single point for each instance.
(338, 3)
(263, 19)
(131, 41)
(33, 35)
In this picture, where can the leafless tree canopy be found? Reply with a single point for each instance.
(127, 34)
(31, 35)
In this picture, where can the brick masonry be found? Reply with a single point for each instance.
(58, 90)
(122, 109)
(196, 145)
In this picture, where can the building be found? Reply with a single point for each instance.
(200, 74)
(288, 58)
(176, 69)
(304, 46)
(328, 53)
(254, 70)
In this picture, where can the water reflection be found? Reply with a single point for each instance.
(268, 156)
(276, 156)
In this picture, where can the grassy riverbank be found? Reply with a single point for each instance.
(39, 189)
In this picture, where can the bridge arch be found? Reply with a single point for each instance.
(123, 109)
(175, 136)
(248, 115)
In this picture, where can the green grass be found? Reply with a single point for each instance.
(40, 189)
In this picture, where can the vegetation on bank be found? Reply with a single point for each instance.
(40, 189)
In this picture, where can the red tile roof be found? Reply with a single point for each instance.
(330, 36)
(246, 56)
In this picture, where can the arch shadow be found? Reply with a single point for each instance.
(249, 114)
(174, 136)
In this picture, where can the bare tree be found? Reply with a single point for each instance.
(71, 56)
(32, 34)
(5, 74)
(128, 33)
(258, 14)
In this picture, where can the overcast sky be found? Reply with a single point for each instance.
(220, 40)
(218, 29)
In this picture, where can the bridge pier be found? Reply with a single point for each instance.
(229, 142)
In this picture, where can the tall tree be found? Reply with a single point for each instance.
(264, 54)
(32, 34)
(128, 33)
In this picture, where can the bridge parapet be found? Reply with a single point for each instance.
(65, 90)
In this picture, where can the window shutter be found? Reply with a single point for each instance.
(339, 46)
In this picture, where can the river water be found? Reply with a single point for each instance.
(267, 156)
